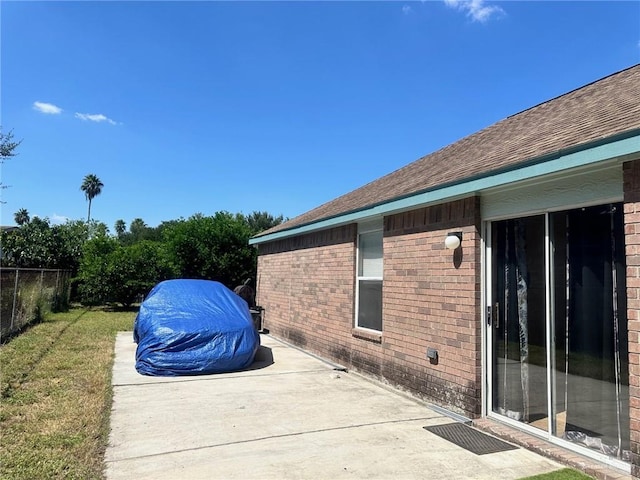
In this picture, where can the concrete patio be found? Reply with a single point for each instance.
(291, 416)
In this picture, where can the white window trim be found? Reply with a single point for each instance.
(363, 228)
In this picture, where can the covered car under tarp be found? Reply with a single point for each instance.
(193, 327)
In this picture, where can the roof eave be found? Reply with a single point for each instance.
(617, 147)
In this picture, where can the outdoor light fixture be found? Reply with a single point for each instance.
(453, 240)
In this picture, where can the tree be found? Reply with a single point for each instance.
(7, 150)
(133, 270)
(94, 265)
(37, 244)
(214, 248)
(120, 228)
(7, 146)
(92, 187)
(137, 227)
(138, 232)
(21, 216)
(110, 272)
(33, 245)
(70, 239)
(261, 221)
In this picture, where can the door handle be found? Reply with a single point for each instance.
(493, 315)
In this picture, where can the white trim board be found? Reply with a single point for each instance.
(600, 186)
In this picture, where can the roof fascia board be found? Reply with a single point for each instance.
(602, 152)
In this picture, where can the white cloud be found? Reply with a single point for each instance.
(58, 219)
(48, 108)
(478, 10)
(94, 117)
(406, 9)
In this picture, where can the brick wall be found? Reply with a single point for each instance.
(631, 171)
(431, 298)
(305, 285)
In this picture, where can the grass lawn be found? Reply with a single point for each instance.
(55, 395)
(564, 474)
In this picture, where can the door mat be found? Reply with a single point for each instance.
(470, 439)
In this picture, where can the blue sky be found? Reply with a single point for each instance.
(187, 107)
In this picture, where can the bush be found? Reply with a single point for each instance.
(213, 248)
(110, 272)
(92, 287)
(135, 269)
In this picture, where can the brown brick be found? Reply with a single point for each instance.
(428, 301)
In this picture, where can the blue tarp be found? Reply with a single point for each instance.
(193, 327)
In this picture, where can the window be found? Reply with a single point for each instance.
(369, 277)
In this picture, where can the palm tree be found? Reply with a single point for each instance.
(120, 227)
(22, 216)
(91, 186)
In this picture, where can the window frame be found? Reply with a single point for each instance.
(369, 227)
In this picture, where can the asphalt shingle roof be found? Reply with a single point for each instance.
(600, 110)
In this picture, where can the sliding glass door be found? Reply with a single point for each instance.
(518, 333)
(558, 327)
